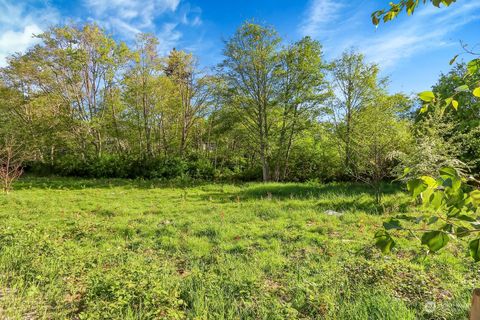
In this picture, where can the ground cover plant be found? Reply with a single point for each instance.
(138, 249)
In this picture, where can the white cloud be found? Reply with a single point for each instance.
(129, 17)
(168, 37)
(190, 15)
(18, 41)
(427, 29)
(341, 27)
(320, 16)
(140, 13)
(19, 21)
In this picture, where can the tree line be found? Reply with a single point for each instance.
(82, 103)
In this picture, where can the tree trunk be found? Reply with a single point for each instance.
(475, 306)
(265, 168)
(347, 142)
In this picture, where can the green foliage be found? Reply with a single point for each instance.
(275, 93)
(474, 247)
(435, 240)
(436, 144)
(384, 241)
(450, 209)
(361, 110)
(463, 119)
(377, 138)
(476, 92)
(426, 96)
(195, 167)
(408, 6)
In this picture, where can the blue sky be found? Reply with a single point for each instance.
(412, 51)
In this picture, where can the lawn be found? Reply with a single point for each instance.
(124, 249)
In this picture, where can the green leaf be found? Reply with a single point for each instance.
(405, 217)
(426, 96)
(447, 172)
(464, 217)
(462, 232)
(384, 241)
(474, 247)
(475, 225)
(448, 101)
(424, 109)
(435, 240)
(406, 171)
(476, 92)
(463, 88)
(432, 220)
(473, 66)
(448, 228)
(453, 59)
(453, 212)
(416, 187)
(454, 183)
(436, 199)
(392, 224)
(475, 196)
(419, 219)
(455, 104)
(431, 182)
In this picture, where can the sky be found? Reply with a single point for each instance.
(411, 51)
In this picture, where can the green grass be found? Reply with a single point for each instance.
(119, 249)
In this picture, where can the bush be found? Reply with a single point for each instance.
(250, 174)
(200, 168)
(112, 166)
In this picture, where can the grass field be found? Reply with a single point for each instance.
(119, 249)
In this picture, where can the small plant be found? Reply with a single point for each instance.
(11, 163)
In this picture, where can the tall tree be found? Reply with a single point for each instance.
(355, 83)
(74, 67)
(141, 89)
(192, 87)
(463, 121)
(301, 90)
(248, 69)
(379, 139)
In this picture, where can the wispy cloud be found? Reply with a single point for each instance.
(428, 29)
(341, 26)
(168, 37)
(190, 15)
(128, 17)
(18, 23)
(320, 16)
(167, 19)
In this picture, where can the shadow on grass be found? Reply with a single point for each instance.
(337, 196)
(367, 205)
(340, 197)
(305, 191)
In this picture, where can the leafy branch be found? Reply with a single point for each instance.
(450, 211)
(408, 6)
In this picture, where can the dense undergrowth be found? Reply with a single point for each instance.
(140, 249)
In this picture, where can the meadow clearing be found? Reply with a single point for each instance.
(126, 126)
(137, 249)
